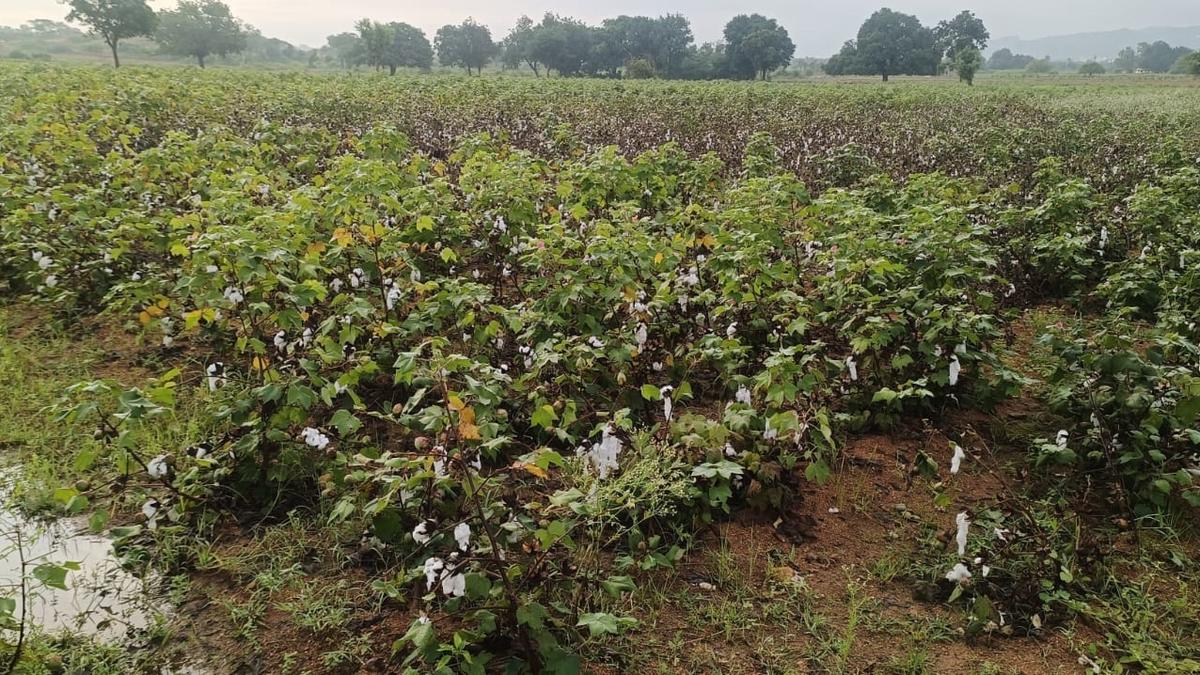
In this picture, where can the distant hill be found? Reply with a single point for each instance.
(1102, 45)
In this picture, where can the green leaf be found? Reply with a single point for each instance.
(817, 472)
(600, 623)
(345, 422)
(544, 416)
(651, 392)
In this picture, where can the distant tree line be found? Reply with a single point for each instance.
(628, 46)
(1153, 57)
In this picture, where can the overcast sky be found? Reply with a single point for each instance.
(817, 27)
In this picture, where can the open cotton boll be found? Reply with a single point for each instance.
(150, 509)
(462, 535)
(852, 366)
(603, 454)
(667, 404)
(1061, 439)
(433, 567)
(454, 585)
(959, 574)
(742, 395)
(956, 460)
(420, 533)
(955, 369)
(158, 467)
(641, 336)
(280, 340)
(964, 523)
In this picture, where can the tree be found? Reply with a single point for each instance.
(1004, 59)
(1040, 66)
(964, 32)
(967, 61)
(661, 42)
(891, 43)
(1158, 57)
(566, 46)
(1126, 60)
(1091, 68)
(199, 29)
(406, 47)
(517, 46)
(1188, 64)
(468, 45)
(756, 45)
(347, 48)
(114, 20)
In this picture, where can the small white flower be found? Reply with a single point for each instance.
(157, 467)
(956, 460)
(964, 523)
(955, 369)
(462, 534)
(959, 574)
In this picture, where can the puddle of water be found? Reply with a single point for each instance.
(103, 600)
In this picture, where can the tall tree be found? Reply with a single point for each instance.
(468, 45)
(114, 20)
(517, 47)
(1158, 57)
(965, 31)
(347, 48)
(564, 45)
(406, 47)
(200, 29)
(1189, 64)
(891, 43)
(967, 61)
(756, 45)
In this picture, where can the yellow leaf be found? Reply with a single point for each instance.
(143, 317)
(154, 310)
(708, 241)
(259, 363)
(630, 293)
(316, 247)
(456, 403)
(531, 468)
(659, 258)
(439, 168)
(342, 236)
(467, 430)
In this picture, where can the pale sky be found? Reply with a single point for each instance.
(817, 28)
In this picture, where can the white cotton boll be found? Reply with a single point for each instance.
(211, 269)
(51, 281)
(45, 262)
(595, 342)
(668, 406)
(233, 295)
(770, 434)
(731, 330)
(280, 340)
(415, 275)
(420, 533)
(157, 467)
(729, 451)
(961, 349)
(454, 585)
(955, 369)
(985, 570)
(167, 340)
(641, 335)
(1061, 439)
(215, 375)
(392, 296)
(964, 523)
(306, 337)
(603, 454)
(852, 366)
(462, 535)
(960, 574)
(1001, 533)
(336, 284)
(150, 509)
(433, 567)
(742, 395)
(1103, 237)
(37, 256)
(956, 460)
